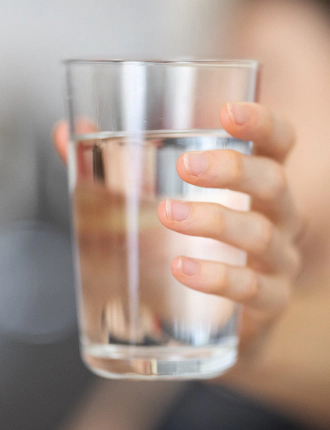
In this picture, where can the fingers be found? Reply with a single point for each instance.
(241, 284)
(233, 170)
(61, 135)
(267, 233)
(271, 135)
(235, 283)
(250, 231)
(60, 139)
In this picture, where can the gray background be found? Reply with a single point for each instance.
(41, 375)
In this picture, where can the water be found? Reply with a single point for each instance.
(136, 320)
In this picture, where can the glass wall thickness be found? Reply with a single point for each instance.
(129, 122)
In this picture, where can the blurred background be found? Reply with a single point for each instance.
(41, 376)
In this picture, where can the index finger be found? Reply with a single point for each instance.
(60, 134)
(272, 136)
(61, 138)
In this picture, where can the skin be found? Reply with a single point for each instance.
(268, 232)
(291, 39)
(285, 352)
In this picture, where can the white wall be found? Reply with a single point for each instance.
(36, 34)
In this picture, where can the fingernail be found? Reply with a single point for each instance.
(196, 163)
(177, 211)
(188, 266)
(239, 113)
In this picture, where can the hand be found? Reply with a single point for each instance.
(268, 232)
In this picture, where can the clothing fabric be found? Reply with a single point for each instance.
(214, 407)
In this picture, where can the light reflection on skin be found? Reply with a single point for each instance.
(102, 238)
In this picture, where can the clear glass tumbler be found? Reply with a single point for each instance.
(129, 122)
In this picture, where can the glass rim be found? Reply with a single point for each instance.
(240, 63)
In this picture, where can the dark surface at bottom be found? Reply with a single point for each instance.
(213, 407)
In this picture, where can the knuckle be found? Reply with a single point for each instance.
(222, 280)
(217, 223)
(251, 284)
(265, 236)
(277, 183)
(235, 162)
(265, 124)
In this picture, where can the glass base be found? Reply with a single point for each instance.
(151, 363)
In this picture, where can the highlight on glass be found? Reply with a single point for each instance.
(129, 123)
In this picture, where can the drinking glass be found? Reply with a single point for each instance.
(129, 123)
